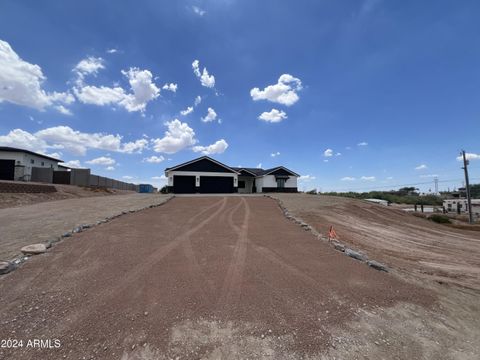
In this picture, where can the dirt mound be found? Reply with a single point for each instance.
(409, 244)
(8, 200)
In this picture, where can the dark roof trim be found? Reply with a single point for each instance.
(201, 158)
(12, 149)
(280, 167)
(246, 170)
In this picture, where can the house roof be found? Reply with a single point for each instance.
(12, 149)
(268, 171)
(253, 171)
(201, 158)
(262, 172)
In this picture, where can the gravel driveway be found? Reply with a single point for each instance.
(197, 278)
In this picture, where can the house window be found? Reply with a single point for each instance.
(43, 163)
(280, 183)
(32, 161)
(241, 184)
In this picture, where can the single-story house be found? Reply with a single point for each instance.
(17, 164)
(206, 175)
(461, 206)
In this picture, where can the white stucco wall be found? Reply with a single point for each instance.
(25, 159)
(269, 181)
(248, 185)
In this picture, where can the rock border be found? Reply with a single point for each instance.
(357, 255)
(15, 263)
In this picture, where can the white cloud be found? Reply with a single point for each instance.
(128, 177)
(64, 137)
(205, 78)
(273, 116)
(102, 160)
(112, 51)
(144, 90)
(368, 178)
(161, 177)
(21, 83)
(421, 167)
(154, 159)
(328, 153)
(178, 136)
(142, 87)
(338, 154)
(283, 92)
(73, 164)
(136, 146)
(198, 100)
(217, 148)
(325, 160)
(170, 87)
(211, 115)
(187, 111)
(100, 95)
(469, 156)
(348, 148)
(89, 66)
(275, 154)
(198, 11)
(62, 109)
(306, 178)
(259, 166)
(390, 178)
(363, 143)
(110, 168)
(348, 178)
(428, 176)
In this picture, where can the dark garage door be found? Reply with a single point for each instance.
(216, 184)
(7, 169)
(183, 184)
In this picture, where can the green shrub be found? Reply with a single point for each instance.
(440, 219)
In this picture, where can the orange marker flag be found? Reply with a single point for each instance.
(331, 233)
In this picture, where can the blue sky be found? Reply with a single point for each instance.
(352, 95)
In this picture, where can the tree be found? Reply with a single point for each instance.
(475, 191)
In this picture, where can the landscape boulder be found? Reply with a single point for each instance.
(6, 267)
(34, 249)
(355, 254)
(376, 265)
(338, 246)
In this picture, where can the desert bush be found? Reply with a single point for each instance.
(440, 219)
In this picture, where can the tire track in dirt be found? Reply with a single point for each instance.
(135, 275)
(193, 266)
(232, 283)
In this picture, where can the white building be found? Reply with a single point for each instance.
(461, 205)
(206, 175)
(378, 201)
(17, 164)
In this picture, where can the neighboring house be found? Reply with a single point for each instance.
(461, 206)
(206, 175)
(17, 164)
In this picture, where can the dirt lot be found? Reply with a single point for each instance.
(39, 223)
(221, 278)
(410, 244)
(8, 200)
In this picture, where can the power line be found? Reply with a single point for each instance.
(400, 185)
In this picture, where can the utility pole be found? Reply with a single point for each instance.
(435, 180)
(467, 188)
